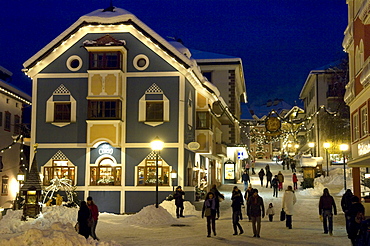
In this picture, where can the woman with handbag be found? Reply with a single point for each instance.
(83, 217)
(209, 211)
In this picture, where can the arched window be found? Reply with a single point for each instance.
(106, 173)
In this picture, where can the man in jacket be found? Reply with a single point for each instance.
(346, 204)
(326, 207)
(256, 209)
(245, 179)
(95, 214)
(179, 202)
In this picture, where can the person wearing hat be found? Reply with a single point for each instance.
(179, 201)
(256, 209)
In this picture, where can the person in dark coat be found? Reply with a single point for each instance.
(256, 210)
(248, 194)
(261, 174)
(237, 202)
(292, 166)
(218, 196)
(269, 178)
(346, 203)
(356, 215)
(210, 203)
(94, 214)
(83, 216)
(275, 186)
(326, 207)
(179, 202)
(245, 179)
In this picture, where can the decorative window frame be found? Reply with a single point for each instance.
(69, 61)
(50, 105)
(143, 163)
(364, 119)
(190, 107)
(113, 166)
(137, 58)
(154, 90)
(356, 127)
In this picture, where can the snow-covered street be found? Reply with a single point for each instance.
(153, 226)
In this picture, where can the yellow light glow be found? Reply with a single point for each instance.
(327, 145)
(156, 144)
(311, 144)
(343, 147)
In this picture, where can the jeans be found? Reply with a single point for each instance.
(327, 215)
(256, 225)
(275, 191)
(236, 224)
(245, 185)
(179, 211)
(211, 220)
(93, 230)
(288, 221)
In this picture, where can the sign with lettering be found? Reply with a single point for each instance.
(105, 149)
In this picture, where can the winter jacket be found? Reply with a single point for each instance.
(245, 177)
(295, 179)
(289, 199)
(94, 211)
(255, 206)
(179, 201)
(346, 201)
(209, 203)
(270, 211)
(237, 201)
(83, 215)
(327, 203)
(268, 175)
(275, 182)
(280, 177)
(261, 174)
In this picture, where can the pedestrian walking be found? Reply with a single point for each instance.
(209, 211)
(179, 201)
(218, 197)
(295, 181)
(256, 210)
(292, 166)
(283, 163)
(247, 166)
(261, 174)
(346, 203)
(95, 215)
(83, 215)
(289, 199)
(248, 194)
(267, 168)
(288, 163)
(281, 180)
(356, 213)
(245, 179)
(237, 202)
(275, 186)
(326, 207)
(270, 212)
(268, 178)
(253, 165)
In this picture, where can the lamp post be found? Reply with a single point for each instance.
(311, 145)
(343, 148)
(173, 177)
(326, 146)
(157, 146)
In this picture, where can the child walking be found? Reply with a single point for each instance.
(270, 212)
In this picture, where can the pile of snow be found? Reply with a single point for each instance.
(170, 206)
(151, 216)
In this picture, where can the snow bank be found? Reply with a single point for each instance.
(151, 216)
(170, 206)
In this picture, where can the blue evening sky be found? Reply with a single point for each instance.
(279, 41)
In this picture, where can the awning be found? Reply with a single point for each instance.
(362, 161)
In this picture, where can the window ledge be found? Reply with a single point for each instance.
(153, 123)
(60, 124)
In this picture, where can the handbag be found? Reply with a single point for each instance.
(207, 212)
(282, 215)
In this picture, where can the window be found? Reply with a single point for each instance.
(190, 110)
(105, 60)
(106, 173)
(104, 109)
(141, 62)
(59, 169)
(147, 173)
(17, 125)
(7, 121)
(154, 107)
(356, 128)
(62, 112)
(61, 107)
(204, 120)
(364, 122)
(4, 185)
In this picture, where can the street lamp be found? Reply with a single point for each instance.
(20, 179)
(173, 177)
(326, 146)
(157, 146)
(311, 145)
(343, 148)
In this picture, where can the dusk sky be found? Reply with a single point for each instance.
(279, 41)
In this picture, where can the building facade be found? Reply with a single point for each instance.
(12, 104)
(102, 91)
(356, 43)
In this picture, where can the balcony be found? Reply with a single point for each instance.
(350, 92)
(221, 150)
(365, 75)
(364, 12)
(105, 83)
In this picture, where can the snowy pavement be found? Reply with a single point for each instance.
(152, 226)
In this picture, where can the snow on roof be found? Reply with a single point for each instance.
(207, 56)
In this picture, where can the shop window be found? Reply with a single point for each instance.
(154, 107)
(105, 60)
(60, 169)
(7, 122)
(106, 173)
(4, 185)
(204, 120)
(17, 125)
(147, 172)
(61, 107)
(104, 109)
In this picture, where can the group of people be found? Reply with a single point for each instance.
(88, 218)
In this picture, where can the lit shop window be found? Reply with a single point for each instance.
(4, 185)
(106, 173)
(61, 169)
(147, 172)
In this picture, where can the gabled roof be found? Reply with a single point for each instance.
(33, 180)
